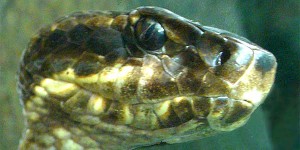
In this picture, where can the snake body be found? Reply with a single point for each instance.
(121, 80)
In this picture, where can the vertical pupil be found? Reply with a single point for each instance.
(146, 35)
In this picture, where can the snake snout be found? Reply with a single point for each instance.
(257, 81)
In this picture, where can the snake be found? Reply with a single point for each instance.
(123, 80)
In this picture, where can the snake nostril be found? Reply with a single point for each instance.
(222, 57)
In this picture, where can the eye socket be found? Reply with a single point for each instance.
(222, 57)
(150, 34)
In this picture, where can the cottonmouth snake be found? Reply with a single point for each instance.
(114, 80)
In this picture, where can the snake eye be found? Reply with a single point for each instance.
(150, 34)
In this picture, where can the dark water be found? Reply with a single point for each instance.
(274, 25)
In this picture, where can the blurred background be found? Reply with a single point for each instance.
(272, 24)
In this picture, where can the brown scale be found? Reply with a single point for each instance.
(77, 103)
(201, 107)
(117, 114)
(183, 109)
(238, 111)
(129, 87)
(87, 64)
(159, 84)
(166, 115)
(144, 117)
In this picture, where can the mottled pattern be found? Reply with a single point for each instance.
(85, 82)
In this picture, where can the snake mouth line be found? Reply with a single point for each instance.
(64, 89)
(91, 108)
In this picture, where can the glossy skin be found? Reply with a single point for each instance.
(95, 80)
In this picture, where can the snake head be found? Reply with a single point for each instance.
(94, 79)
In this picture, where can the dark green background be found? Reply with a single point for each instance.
(273, 25)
